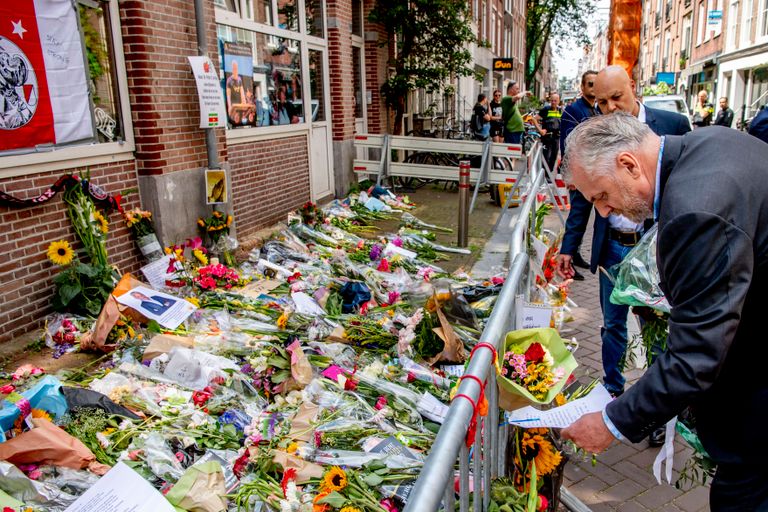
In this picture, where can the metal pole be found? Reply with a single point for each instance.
(463, 203)
(202, 49)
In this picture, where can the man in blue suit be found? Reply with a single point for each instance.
(615, 235)
(581, 109)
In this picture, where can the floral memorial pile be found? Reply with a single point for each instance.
(312, 377)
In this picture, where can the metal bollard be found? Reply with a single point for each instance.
(463, 203)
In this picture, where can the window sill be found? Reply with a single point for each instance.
(243, 135)
(65, 158)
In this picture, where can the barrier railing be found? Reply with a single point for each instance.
(436, 482)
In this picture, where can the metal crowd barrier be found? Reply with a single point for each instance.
(435, 485)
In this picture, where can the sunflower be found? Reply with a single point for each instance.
(350, 509)
(535, 446)
(335, 479)
(60, 253)
(101, 221)
(282, 321)
(200, 256)
(40, 413)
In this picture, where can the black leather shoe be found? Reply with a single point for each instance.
(657, 437)
(577, 276)
(578, 261)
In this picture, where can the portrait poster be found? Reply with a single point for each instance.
(216, 191)
(167, 310)
(238, 83)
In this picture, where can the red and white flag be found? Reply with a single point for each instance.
(43, 82)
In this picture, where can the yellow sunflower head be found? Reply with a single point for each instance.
(60, 253)
(200, 256)
(101, 221)
(335, 479)
(40, 413)
(544, 454)
(350, 509)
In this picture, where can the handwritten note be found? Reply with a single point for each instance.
(532, 316)
(561, 417)
(432, 408)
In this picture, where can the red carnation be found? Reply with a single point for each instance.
(543, 502)
(535, 353)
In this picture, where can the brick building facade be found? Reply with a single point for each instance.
(311, 72)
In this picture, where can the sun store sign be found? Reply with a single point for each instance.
(506, 64)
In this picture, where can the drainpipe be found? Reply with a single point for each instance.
(202, 49)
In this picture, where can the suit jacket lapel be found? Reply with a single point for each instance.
(673, 147)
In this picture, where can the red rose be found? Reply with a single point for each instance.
(350, 385)
(535, 353)
(543, 502)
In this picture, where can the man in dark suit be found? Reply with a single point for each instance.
(713, 264)
(614, 236)
(581, 109)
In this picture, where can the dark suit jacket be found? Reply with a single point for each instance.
(662, 123)
(713, 263)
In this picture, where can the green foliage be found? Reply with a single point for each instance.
(563, 21)
(433, 38)
(659, 89)
(83, 289)
(94, 46)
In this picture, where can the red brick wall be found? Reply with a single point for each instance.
(340, 67)
(376, 63)
(26, 273)
(269, 179)
(158, 36)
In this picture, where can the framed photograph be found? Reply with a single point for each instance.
(216, 186)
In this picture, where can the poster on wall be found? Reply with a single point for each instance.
(238, 83)
(216, 186)
(212, 110)
(43, 82)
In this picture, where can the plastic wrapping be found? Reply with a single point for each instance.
(31, 492)
(46, 395)
(160, 459)
(636, 278)
(358, 459)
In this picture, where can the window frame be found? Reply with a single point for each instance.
(88, 154)
(237, 21)
(746, 23)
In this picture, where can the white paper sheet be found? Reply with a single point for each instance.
(121, 490)
(306, 305)
(561, 417)
(532, 316)
(432, 408)
(393, 249)
(157, 272)
(167, 310)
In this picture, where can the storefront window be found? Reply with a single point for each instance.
(259, 11)
(288, 15)
(261, 78)
(315, 17)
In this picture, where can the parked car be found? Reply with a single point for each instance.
(670, 103)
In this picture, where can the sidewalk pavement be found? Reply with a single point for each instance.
(623, 479)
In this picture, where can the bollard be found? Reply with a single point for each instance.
(463, 203)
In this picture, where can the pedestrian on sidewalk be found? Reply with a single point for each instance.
(713, 265)
(497, 125)
(614, 235)
(703, 111)
(725, 114)
(510, 114)
(481, 118)
(581, 109)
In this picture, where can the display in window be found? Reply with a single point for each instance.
(238, 84)
(43, 86)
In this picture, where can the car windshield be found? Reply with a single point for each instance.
(669, 104)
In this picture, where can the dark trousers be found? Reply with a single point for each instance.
(513, 137)
(739, 488)
(551, 148)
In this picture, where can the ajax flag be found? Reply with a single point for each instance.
(43, 81)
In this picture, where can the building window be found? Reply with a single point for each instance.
(87, 109)
(357, 17)
(763, 18)
(702, 25)
(262, 78)
(733, 26)
(259, 11)
(316, 85)
(315, 17)
(357, 78)
(746, 33)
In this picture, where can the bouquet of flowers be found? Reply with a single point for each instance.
(215, 276)
(139, 222)
(534, 364)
